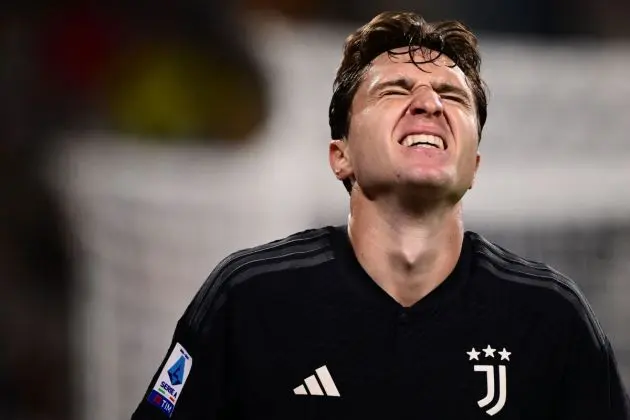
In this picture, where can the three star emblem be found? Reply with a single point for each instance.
(488, 353)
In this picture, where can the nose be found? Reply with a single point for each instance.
(426, 102)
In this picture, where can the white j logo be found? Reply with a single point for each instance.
(489, 369)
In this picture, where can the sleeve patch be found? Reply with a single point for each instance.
(170, 383)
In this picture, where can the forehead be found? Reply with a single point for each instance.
(438, 68)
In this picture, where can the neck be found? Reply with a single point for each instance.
(408, 253)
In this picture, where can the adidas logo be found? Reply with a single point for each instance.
(322, 377)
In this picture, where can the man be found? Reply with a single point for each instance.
(400, 314)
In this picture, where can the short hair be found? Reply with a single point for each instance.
(389, 31)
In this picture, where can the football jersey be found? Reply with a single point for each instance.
(296, 329)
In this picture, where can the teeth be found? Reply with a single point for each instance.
(423, 139)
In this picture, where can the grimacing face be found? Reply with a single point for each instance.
(412, 130)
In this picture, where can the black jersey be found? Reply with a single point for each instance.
(296, 329)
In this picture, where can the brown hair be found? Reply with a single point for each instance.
(392, 30)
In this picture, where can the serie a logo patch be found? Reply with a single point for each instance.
(171, 380)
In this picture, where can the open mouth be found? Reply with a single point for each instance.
(424, 140)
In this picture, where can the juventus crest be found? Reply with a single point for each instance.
(495, 393)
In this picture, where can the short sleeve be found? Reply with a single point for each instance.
(190, 383)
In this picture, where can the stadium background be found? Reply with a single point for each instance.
(143, 143)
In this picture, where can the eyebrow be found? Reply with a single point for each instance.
(407, 84)
(401, 82)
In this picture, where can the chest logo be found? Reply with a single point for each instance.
(492, 371)
(321, 377)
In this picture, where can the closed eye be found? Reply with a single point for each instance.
(457, 99)
(451, 92)
(391, 92)
(453, 98)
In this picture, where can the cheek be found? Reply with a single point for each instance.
(464, 126)
(366, 122)
(366, 134)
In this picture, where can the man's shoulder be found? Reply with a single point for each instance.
(511, 269)
(533, 283)
(301, 249)
(510, 266)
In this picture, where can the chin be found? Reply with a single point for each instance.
(429, 186)
(432, 179)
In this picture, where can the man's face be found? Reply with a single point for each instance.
(411, 129)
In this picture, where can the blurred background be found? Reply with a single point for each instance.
(141, 142)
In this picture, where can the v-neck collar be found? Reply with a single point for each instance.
(366, 288)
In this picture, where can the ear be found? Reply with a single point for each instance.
(340, 160)
(477, 161)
